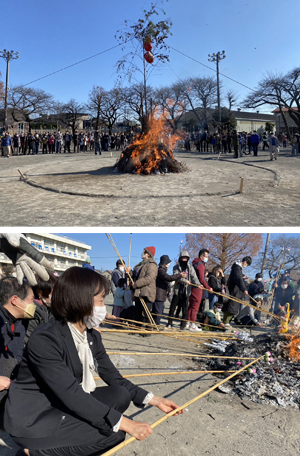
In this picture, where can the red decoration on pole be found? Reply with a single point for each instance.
(148, 47)
(149, 57)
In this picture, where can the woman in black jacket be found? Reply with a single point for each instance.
(216, 281)
(54, 406)
(163, 281)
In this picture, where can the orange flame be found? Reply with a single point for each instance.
(294, 346)
(153, 146)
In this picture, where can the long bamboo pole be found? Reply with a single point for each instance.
(129, 250)
(147, 311)
(187, 404)
(172, 373)
(176, 354)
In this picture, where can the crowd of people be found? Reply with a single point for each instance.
(51, 349)
(59, 142)
(240, 143)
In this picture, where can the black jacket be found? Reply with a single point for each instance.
(255, 288)
(48, 385)
(162, 282)
(283, 297)
(236, 288)
(216, 284)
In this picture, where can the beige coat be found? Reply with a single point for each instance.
(146, 283)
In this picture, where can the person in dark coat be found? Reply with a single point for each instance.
(163, 280)
(257, 286)
(16, 308)
(237, 288)
(53, 406)
(117, 274)
(216, 281)
(283, 295)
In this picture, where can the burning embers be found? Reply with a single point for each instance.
(151, 152)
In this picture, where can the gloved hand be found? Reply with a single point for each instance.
(27, 259)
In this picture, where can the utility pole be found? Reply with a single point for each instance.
(265, 254)
(217, 58)
(8, 56)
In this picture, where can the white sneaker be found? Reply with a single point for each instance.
(187, 326)
(169, 327)
(194, 327)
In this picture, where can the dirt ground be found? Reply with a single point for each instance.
(217, 424)
(82, 190)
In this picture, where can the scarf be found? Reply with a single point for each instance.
(86, 358)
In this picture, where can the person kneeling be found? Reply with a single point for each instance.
(54, 406)
(213, 317)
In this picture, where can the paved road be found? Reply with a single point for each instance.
(81, 190)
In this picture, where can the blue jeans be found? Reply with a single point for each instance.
(58, 147)
(98, 148)
(295, 149)
(212, 299)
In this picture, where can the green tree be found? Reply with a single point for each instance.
(269, 127)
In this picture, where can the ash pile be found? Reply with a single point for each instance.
(274, 380)
(158, 159)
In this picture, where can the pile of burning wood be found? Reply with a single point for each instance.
(151, 152)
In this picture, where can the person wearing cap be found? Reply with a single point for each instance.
(274, 146)
(249, 316)
(144, 285)
(237, 288)
(213, 317)
(117, 274)
(257, 286)
(163, 280)
(182, 289)
(88, 264)
(197, 293)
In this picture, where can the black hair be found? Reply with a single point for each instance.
(203, 252)
(121, 283)
(43, 287)
(248, 260)
(9, 286)
(73, 294)
(119, 263)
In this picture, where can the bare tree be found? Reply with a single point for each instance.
(282, 91)
(134, 104)
(26, 102)
(284, 248)
(111, 109)
(71, 113)
(232, 98)
(172, 101)
(204, 92)
(95, 102)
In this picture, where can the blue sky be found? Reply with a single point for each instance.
(103, 254)
(255, 34)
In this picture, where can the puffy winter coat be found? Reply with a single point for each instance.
(191, 277)
(146, 282)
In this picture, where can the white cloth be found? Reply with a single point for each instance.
(145, 402)
(86, 358)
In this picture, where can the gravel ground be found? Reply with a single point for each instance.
(217, 424)
(81, 190)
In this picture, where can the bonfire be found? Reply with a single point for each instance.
(151, 152)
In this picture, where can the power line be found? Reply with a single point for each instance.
(73, 64)
(212, 69)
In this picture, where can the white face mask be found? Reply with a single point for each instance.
(122, 268)
(143, 256)
(259, 280)
(167, 265)
(284, 286)
(98, 315)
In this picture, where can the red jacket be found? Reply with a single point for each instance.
(196, 294)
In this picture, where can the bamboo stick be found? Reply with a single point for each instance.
(172, 373)
(129, 250)
(148, 313)
(176, 354)
(168, 415)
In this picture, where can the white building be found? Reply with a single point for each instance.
(61, 250)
